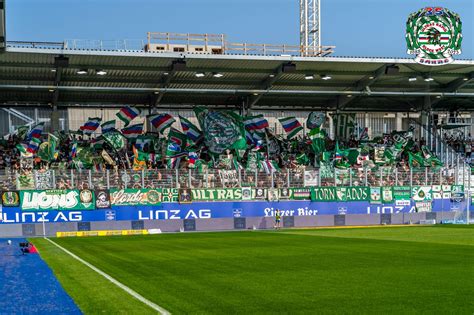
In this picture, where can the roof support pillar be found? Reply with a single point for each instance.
(60, 63)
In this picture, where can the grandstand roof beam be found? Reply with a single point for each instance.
(267, 84)
(341, 102)
(231, 91)
(166, 77)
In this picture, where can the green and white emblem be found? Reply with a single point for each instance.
(434, 35)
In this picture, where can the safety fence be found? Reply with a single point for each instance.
(212, 178)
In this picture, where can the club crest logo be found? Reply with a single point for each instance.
(434, 35)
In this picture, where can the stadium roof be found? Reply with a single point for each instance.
(48, 75)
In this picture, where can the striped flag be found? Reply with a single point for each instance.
(192, 158)
(33, 145)
(36, 131)
(22, 147)
(133, 132)
(176, 148)
(161, 121)
(127, 114)
(108, 126)
(291, 125)
(364, 135)
(91, 125)
(345, 124)
(255, 123)
(270, 166)
(74, 150)
(143, 140)
(190, 130)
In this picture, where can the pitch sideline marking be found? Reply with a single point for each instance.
(139, 297)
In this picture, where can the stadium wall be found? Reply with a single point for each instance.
(215, 216)
(224, 224)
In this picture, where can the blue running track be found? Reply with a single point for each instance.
(28, 286)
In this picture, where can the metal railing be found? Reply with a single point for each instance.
(194, 43)
(191, 178)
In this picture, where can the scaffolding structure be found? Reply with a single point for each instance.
(310, 26)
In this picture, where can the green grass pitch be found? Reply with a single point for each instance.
(395, 270)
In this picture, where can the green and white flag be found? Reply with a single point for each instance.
(222, 130)
(22, 131)
(345, 125)
(318, 140)
(115, 139)
(53, 147)
(315, 120)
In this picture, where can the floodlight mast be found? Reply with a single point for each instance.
(310, 27)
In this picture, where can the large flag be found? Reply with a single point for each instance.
(416, 160)
(133, 132)
(364, 134)
(22, 147)
(255, 123)
(22, 131)
(139, 162)
(73, 150)
(190, 130)
(291, 125)
(127, 114)
(108, 126)
(115, 139)
(345, 125)
(315, 120)
(98, 143)
(33, 145)
(143, 140)
(176, 148)
(161, 121)
(36, 131)
(53, 147)
(91, 125)
(222, 130)
(270, 166)
(318, 140)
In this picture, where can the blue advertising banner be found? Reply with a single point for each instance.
(206, 210)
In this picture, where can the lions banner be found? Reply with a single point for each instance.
(35, 200)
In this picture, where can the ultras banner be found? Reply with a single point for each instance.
(207, 210)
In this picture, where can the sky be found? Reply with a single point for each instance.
(368, 28)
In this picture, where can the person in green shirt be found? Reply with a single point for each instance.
(277, 225)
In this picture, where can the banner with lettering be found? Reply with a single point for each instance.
(213, 194)
(401, 195)
(340, 194)
(135, 197)
(36, 200)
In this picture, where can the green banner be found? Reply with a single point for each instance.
(422, 193)
(134, 197)
(375, 195)
(387, 195)
(340, 194)
(217, 194)
(300, 193)
(401, 192)
(35, 200)
(170, 194)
